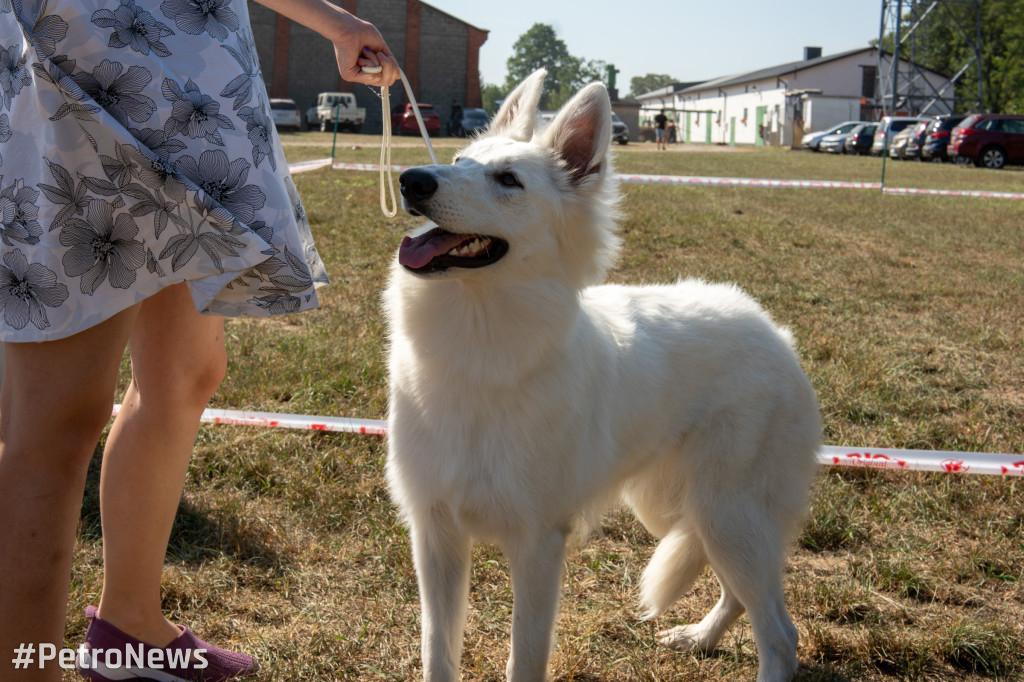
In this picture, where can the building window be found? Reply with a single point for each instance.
(869, 75)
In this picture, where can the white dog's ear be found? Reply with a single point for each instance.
(582, 131)
(517, 116)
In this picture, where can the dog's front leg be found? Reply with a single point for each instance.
(536, 565)
(441, 553)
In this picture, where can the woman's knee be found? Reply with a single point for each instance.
(188, 383)
(61, 433)
(178, 355)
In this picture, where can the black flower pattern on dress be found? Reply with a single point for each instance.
(45, 32)
(72, 197)
(133, 27)
(193, 113)
(223, 183)
(260, 129)
(119, 93)
(5, 133)
(198, 16)
(26, 290)
(240, 87)
(60, 73)
(14, 74)
(19, 213)
(102, 247)
(154, 166)
(157, 142)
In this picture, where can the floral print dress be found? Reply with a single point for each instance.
(137, 151)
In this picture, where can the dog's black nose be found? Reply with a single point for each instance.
(417, 184)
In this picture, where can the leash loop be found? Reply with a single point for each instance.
(385, 145)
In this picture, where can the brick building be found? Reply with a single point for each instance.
(439, 53)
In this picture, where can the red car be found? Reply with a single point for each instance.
(403, 120)
(989, 140)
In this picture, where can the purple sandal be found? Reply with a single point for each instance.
(109, 654)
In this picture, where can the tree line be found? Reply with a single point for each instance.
(540, 47)
(943, 42)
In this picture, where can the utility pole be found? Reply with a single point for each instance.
(905, 85)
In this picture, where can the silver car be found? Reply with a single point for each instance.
(812, 140)
(285, 114)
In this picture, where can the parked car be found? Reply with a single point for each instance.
(620, 131)
(934, 147)
(989, 140)
(890, 125)
(898, 143)
(469, 121)
(860, 138)
(403, 119)
(285, 114)
(915, 141)
(834, 143)
(811, 140)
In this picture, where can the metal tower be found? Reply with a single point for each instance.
(903, 85)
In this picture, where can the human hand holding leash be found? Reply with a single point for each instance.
(362, 54)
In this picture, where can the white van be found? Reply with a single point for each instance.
(891, 125)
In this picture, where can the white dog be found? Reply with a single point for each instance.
(525, 399)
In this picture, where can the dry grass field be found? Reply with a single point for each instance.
(909, 316)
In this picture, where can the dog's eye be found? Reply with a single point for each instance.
(508, 179)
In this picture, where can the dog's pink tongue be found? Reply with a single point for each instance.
(416, 252)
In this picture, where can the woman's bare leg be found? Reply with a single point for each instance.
(178, 361)
(55, 401)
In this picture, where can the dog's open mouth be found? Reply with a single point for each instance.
(439, 249)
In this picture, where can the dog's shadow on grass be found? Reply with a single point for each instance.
(200, 532)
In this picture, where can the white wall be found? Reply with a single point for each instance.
(821, 113)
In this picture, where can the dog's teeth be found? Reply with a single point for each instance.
(471, 248)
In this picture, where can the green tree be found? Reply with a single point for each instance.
(541, 47)
(638, 85)
(491, 95)
(944, 43)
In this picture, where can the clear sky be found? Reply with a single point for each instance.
(690, 41)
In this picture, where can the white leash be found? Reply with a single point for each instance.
(385, 145)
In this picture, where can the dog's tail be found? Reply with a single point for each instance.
(675, 565)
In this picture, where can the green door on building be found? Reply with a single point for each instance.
(707, 135)
(759, 122)
(732, 131)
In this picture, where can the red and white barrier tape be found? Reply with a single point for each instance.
(924, 460)
(829, 455)
(375, 167)
(303, 166)
(953, 192)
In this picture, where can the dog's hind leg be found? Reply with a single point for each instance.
(536, 566)
(705, 635)
(441, 553)
(745, 548)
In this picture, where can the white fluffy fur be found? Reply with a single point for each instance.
(525, 399)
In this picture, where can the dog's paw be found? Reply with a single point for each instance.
(686, 638)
